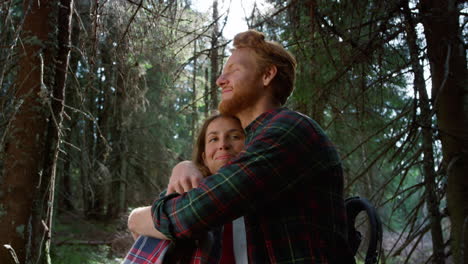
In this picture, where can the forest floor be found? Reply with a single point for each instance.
(77, 240)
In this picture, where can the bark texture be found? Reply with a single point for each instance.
(24, 146)
(214, 58)
(31, 150)
(447, 57)
(432, 200)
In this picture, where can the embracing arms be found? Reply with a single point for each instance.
(278, 158)
(140, 223)
(185, 176)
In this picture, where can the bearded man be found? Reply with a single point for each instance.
(287, 183)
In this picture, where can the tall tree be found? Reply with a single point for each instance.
(426, 115)
(24, 147)
(214, 58)
(447, 56)
(65, 189)
(194, 92)
(43, 206)
(206, 94)
(33, 139)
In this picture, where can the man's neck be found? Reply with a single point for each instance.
(248, 115)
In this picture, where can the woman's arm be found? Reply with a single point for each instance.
(140, 223)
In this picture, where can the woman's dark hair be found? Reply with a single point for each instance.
(200, 143)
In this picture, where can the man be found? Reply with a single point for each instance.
(287, 182)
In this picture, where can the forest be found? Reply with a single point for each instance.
(99, 99)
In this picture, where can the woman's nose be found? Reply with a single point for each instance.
(224, 144)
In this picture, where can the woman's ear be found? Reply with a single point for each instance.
(204, 158)
(269, 74)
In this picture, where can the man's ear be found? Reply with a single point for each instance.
(269, 74)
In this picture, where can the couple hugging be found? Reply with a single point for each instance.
(265, 184)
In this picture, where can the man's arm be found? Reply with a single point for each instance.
(140, 223)
(185, 176)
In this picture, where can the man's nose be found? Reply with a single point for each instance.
(221, 81)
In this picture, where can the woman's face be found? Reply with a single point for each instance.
(224, 139)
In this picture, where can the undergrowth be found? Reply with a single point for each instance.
(82, 254)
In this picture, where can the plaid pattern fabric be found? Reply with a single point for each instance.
(148, 250)
(204, 250)
(288, 185)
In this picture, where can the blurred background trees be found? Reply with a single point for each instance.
(385, 79)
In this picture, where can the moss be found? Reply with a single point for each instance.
(3, 212)
(20, 230)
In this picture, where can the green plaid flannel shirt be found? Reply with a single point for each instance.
(288, 185)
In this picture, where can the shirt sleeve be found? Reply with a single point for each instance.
(271, 164)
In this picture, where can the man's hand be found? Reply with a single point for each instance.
(185, 176)
(140, 222)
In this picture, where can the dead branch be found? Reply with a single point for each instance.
(12, 252)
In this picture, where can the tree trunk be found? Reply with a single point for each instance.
(103, 148)
(123, 172)
(214, 58)
(65, 196)
(206, 95)
(7, 38)
(24, 147)
(31, 149)
(447, 57)
(194, 92)
(66, 182)
(92, 187)
(432, 201)
(43, 209)
(120, 181)
(319, 95)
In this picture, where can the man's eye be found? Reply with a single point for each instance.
(236, 137)
(232, 70)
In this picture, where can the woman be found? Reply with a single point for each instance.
(220, 139)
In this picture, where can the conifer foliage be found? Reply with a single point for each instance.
(99, 99)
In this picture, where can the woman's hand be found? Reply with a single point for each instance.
(140, 222)
(185, 176)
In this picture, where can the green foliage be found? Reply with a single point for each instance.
(81, 254)
(78, 240)
(352, 78)
(131, 102)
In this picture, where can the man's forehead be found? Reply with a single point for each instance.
(239, 56)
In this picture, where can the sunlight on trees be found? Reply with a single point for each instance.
(86, 136)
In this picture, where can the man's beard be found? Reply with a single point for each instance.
(240, 101)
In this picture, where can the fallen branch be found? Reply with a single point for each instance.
(84, 242)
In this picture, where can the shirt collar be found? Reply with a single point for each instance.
(262, 119)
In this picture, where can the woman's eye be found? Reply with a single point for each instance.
(212, 139)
